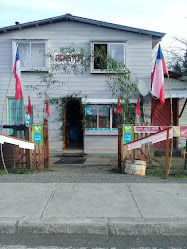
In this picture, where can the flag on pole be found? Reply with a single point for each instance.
(157, 81)
(137, 109)
(29, 105)
(17, 76)
(47, 106)
(118, 109)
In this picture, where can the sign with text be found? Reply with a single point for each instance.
(60, 58)
(37, 134)
(183, 131)
(128, 134)
(149, 129)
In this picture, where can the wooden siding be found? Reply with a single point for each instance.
(138, 60)
(101, 144)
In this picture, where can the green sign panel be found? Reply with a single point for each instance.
(128, 133)
(37, 134)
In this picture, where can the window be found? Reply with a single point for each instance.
(100, 117)
(113, 49)
(15, 111)
(32, 55)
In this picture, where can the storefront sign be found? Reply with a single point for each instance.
(37, 134)
(60, 58)
(128, 134)
(183, 131)
(149, 129)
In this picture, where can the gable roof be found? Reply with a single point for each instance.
(68, 17)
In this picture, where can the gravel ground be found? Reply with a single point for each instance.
(83, 174)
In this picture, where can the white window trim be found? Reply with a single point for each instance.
(92, 70)
(14, 47)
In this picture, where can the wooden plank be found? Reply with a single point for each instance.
(17, 153)
(21, 149)
(167, 154)
(65, 130)
(34, 159)
(127, 154)
(48, 152)
(141, 155)
(43, 162)
(119, 145)
(26, 150)
(136, 138)
(123, 162)
(30, 151)
(39, 158)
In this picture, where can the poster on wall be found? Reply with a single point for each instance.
(37, 134)
(128, 134)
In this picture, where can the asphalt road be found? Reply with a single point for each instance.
(85, 241)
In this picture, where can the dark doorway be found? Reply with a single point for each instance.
(74, 125)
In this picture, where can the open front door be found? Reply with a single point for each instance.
(73, 126)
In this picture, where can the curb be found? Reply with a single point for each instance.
(102, 226)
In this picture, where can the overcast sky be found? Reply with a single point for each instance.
(168, 16)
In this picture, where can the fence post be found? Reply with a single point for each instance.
(141, 155)
(123, 162)
(39, 158)
(34, 162)
(46, 145)
(136, 138)
(119, 143)
(30, 151)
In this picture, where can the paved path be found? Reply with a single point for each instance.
(100, 208)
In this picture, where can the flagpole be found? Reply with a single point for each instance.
(171, 121)
(170, 100)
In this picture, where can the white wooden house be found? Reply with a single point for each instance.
(130, 45)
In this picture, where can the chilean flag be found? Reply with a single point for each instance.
(157, 81)
(17, 76)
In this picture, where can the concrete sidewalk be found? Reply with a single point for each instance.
(98, 208)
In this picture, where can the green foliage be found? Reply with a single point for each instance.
(22, 171)
(2, 172)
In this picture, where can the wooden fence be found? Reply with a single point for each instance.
(39, 158)
(139, 153)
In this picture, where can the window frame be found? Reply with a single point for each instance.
(108, 43)
(10, 112)
(30, 41)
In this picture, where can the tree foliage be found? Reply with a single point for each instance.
(176, 55)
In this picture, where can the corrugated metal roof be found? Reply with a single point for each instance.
(177, 93)
(69, 17)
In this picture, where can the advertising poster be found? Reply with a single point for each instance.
(37, 134)
(128, 134)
